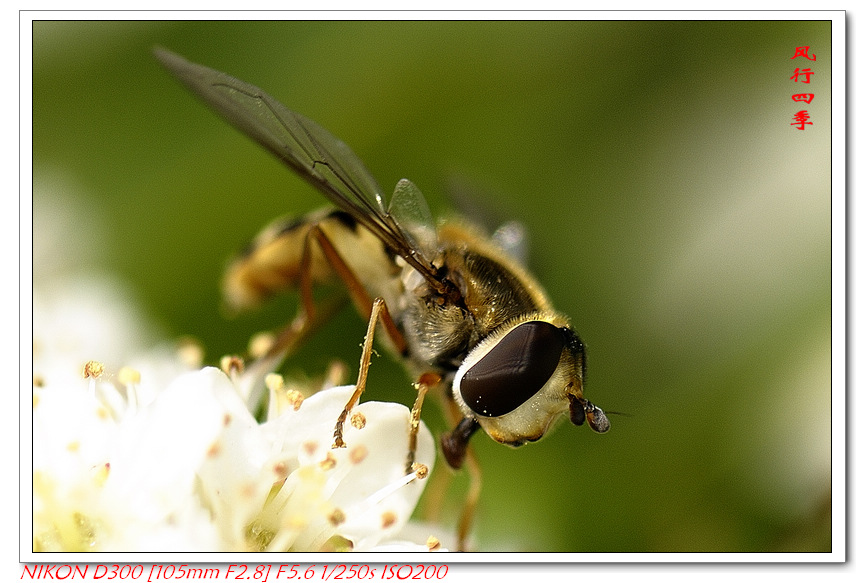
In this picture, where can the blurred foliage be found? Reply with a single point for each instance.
(674, 214)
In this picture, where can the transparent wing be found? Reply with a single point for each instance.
(409, 209)
(309, 149)
(474, 201)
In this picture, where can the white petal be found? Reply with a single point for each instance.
(160, 450)
(375, 503)
(72, 432)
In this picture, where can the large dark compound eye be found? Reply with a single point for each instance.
(514, 370)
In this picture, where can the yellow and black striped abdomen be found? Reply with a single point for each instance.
(273, 261)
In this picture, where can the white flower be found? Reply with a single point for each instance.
(150, 458)
(95, 485)
(280, 486)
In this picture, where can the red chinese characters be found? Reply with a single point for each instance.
(806, 72)
(803, 52)
(800, 118)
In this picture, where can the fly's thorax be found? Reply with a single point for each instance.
(494, 289)
(438, 333)
(486, 269)
(516, 381)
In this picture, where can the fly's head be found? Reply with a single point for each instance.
(518, 381)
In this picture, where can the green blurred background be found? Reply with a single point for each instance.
(674, 212)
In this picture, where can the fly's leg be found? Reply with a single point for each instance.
(470, 505)
(379, 309)
(307, 320)
(359, 295)
(459, 454)
(426, 382)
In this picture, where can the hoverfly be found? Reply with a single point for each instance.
(456, 308)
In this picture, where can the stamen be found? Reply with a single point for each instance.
(358, 453)
(93, 369)
(388, 519)
(309, 447)
(280, 469)
(231, 365)
(377, 497)
(260, 344)
(358, 420)
(190, 352)
(336, 374)
(336, 517)
(294, 398)
(129, 378)
(274, 382)
(328, 463)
